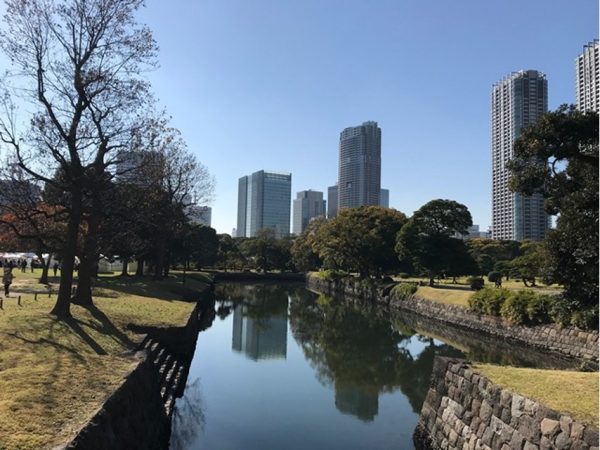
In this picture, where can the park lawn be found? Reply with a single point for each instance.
(54, 375)
(575, 393)
(447, 296)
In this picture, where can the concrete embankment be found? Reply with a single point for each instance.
(138, 414)
(256, 276)
(465, 410)
(566, 342)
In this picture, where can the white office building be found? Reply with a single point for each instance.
(587, 89)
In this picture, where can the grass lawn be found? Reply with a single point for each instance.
(458, 293)
(55, 374)
(575, 393)
(449, 296)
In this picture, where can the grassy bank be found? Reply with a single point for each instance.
(55, 374)
(575, 393)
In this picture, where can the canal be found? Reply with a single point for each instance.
(284, 368)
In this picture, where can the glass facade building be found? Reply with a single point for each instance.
(264, 200)
(359, 175)
(517, 101)
(308, 205)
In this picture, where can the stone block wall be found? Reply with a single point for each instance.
(465, 410)
(138, 414)
(568, 342)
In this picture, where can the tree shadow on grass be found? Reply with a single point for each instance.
(454, 287)
(169, 289)
(74, 324)
(45, 341)
(108, 328)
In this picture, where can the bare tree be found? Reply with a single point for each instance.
(79, 65)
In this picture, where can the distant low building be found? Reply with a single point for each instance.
(473, 232)
(199, 214)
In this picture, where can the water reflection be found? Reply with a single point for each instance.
(259, 338)
(188, 417)
(361, 355)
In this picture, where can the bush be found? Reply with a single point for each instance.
(488, 300)
(586, 319)
(403, 275)
(402, 291)
(476, 283)
(560, 311)
(331, 275)
(538, 309)
(515, 308)
(494, 276)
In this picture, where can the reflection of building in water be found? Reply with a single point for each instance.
(264, 338)
(361, 401)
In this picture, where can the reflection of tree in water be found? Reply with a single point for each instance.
(360, 354)
(188, 417)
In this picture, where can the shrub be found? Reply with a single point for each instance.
(403, 275)
(560, 311)
(476, 283)
(538, 309)
(494, 276)
(402, 291)
(515, 308)
(586, 319)
(488, 300)
(331, 275)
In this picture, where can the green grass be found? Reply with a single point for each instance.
(56, 374)
(448, 296)
(575, 393)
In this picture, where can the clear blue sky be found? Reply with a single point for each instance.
(269, 84)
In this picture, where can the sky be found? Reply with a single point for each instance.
(269, 85)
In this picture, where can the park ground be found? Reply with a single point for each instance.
(56, 374)
(447, 292)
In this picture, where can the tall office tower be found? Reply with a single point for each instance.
(384, 198)
(587, 89)
(517, 101)
(201, 215)
(332, 201)
(307, 205)
(264, 200)
(359, 176)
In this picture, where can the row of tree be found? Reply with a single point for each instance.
(92, 169)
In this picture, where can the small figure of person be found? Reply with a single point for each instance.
(498, 282)
(23, 265)
(55, 267)
(7, 279)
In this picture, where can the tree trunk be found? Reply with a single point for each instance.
(431, 279)
(89, 256)
(139, 271)
(45, 268)
(83, 295)
(525, 282)
(124, 268)
(62, 307)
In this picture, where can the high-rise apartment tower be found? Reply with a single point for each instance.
(587, 88)
(359, 175)
(517, 101)
(264, 200)
(307, 206)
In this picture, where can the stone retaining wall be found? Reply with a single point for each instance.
(465, 410)
(569, 342)
(138, 414)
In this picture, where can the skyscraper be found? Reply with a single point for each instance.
(384, 198)
(359, 176)
(307, 205)
(587, 89)
(517, 101)
(332, 201)
(264, 202)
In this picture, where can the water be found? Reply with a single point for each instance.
(283, 368)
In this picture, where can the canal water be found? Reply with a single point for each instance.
(284, 368)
